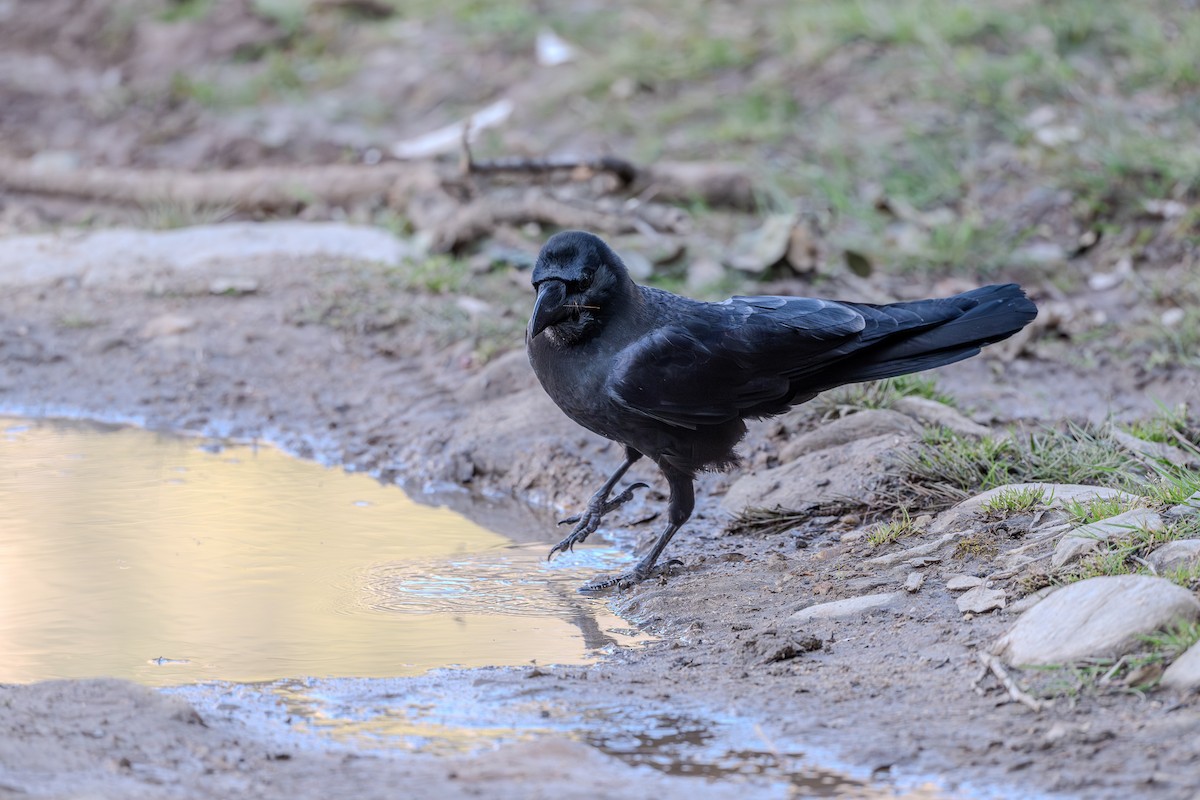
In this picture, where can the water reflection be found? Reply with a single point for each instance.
(455, 713)
(148, 556)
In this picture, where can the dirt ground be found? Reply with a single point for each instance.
(338, 360)
(890, 691)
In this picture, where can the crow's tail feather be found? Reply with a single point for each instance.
(984, 316)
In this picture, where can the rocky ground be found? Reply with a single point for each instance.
(360, 347)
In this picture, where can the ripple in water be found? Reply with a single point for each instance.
(516, 581)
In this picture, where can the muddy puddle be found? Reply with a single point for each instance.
(313, 608)
(169, 560)
(450, 713)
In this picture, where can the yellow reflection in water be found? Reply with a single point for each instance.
(133, 554)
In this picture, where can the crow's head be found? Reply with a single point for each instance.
(578, 278)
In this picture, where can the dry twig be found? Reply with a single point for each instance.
(992, 663)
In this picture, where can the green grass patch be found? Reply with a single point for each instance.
(1174, 346)
(181, 10)
(168, 214)
(766, 114)
(1168, 426)
(1121, 163)
(1018, 501)
(949, 468)
(1085, 512)
(962, 244)
(880, 394)
(885, 533)
(287, 14)
(77, 322)
(1125, 554)
(1169, 484)
(1137, 672)
(280, 75)
(976, 546)
(1176, 640)
(437, 274)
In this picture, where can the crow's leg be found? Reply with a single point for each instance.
(587, 522)
(679, 509)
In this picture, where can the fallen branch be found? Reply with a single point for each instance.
(992, 663)
(624, 171)
(480, 216)
(435, 196)
(247, 190)
(278, 188)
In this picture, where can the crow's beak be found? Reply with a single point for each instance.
(550, 307)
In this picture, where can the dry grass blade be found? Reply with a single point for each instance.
(767, 521)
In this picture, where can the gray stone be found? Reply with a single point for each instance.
(167, 325)
(503, 375)
(980, 599)
(914, 582)
(1087, 538)
(862, 425)
(960, 583)
(757, 250)
(1172, 556)
(1155, 450)
(1187, 508)
(1184, 672)
(935, 414)
(1056, 495)
(830, 475)
(922, 551)
(473, 306)
(134, 257)
(850, 607)
(1040, 253)
(1030, 600)
(1101, 617)
(704, 272)
(232, 284)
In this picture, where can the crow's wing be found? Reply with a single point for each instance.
(755, 356)
(734, 359)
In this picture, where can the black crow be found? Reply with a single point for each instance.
(675, 379)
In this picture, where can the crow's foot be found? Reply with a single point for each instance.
(587, 522)
(627, 579)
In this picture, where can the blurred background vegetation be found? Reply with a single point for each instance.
(1053, 142)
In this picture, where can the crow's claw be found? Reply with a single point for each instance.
(627, 579)
(587, 522)
(611, 505)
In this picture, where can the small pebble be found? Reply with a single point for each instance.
(960, 583)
